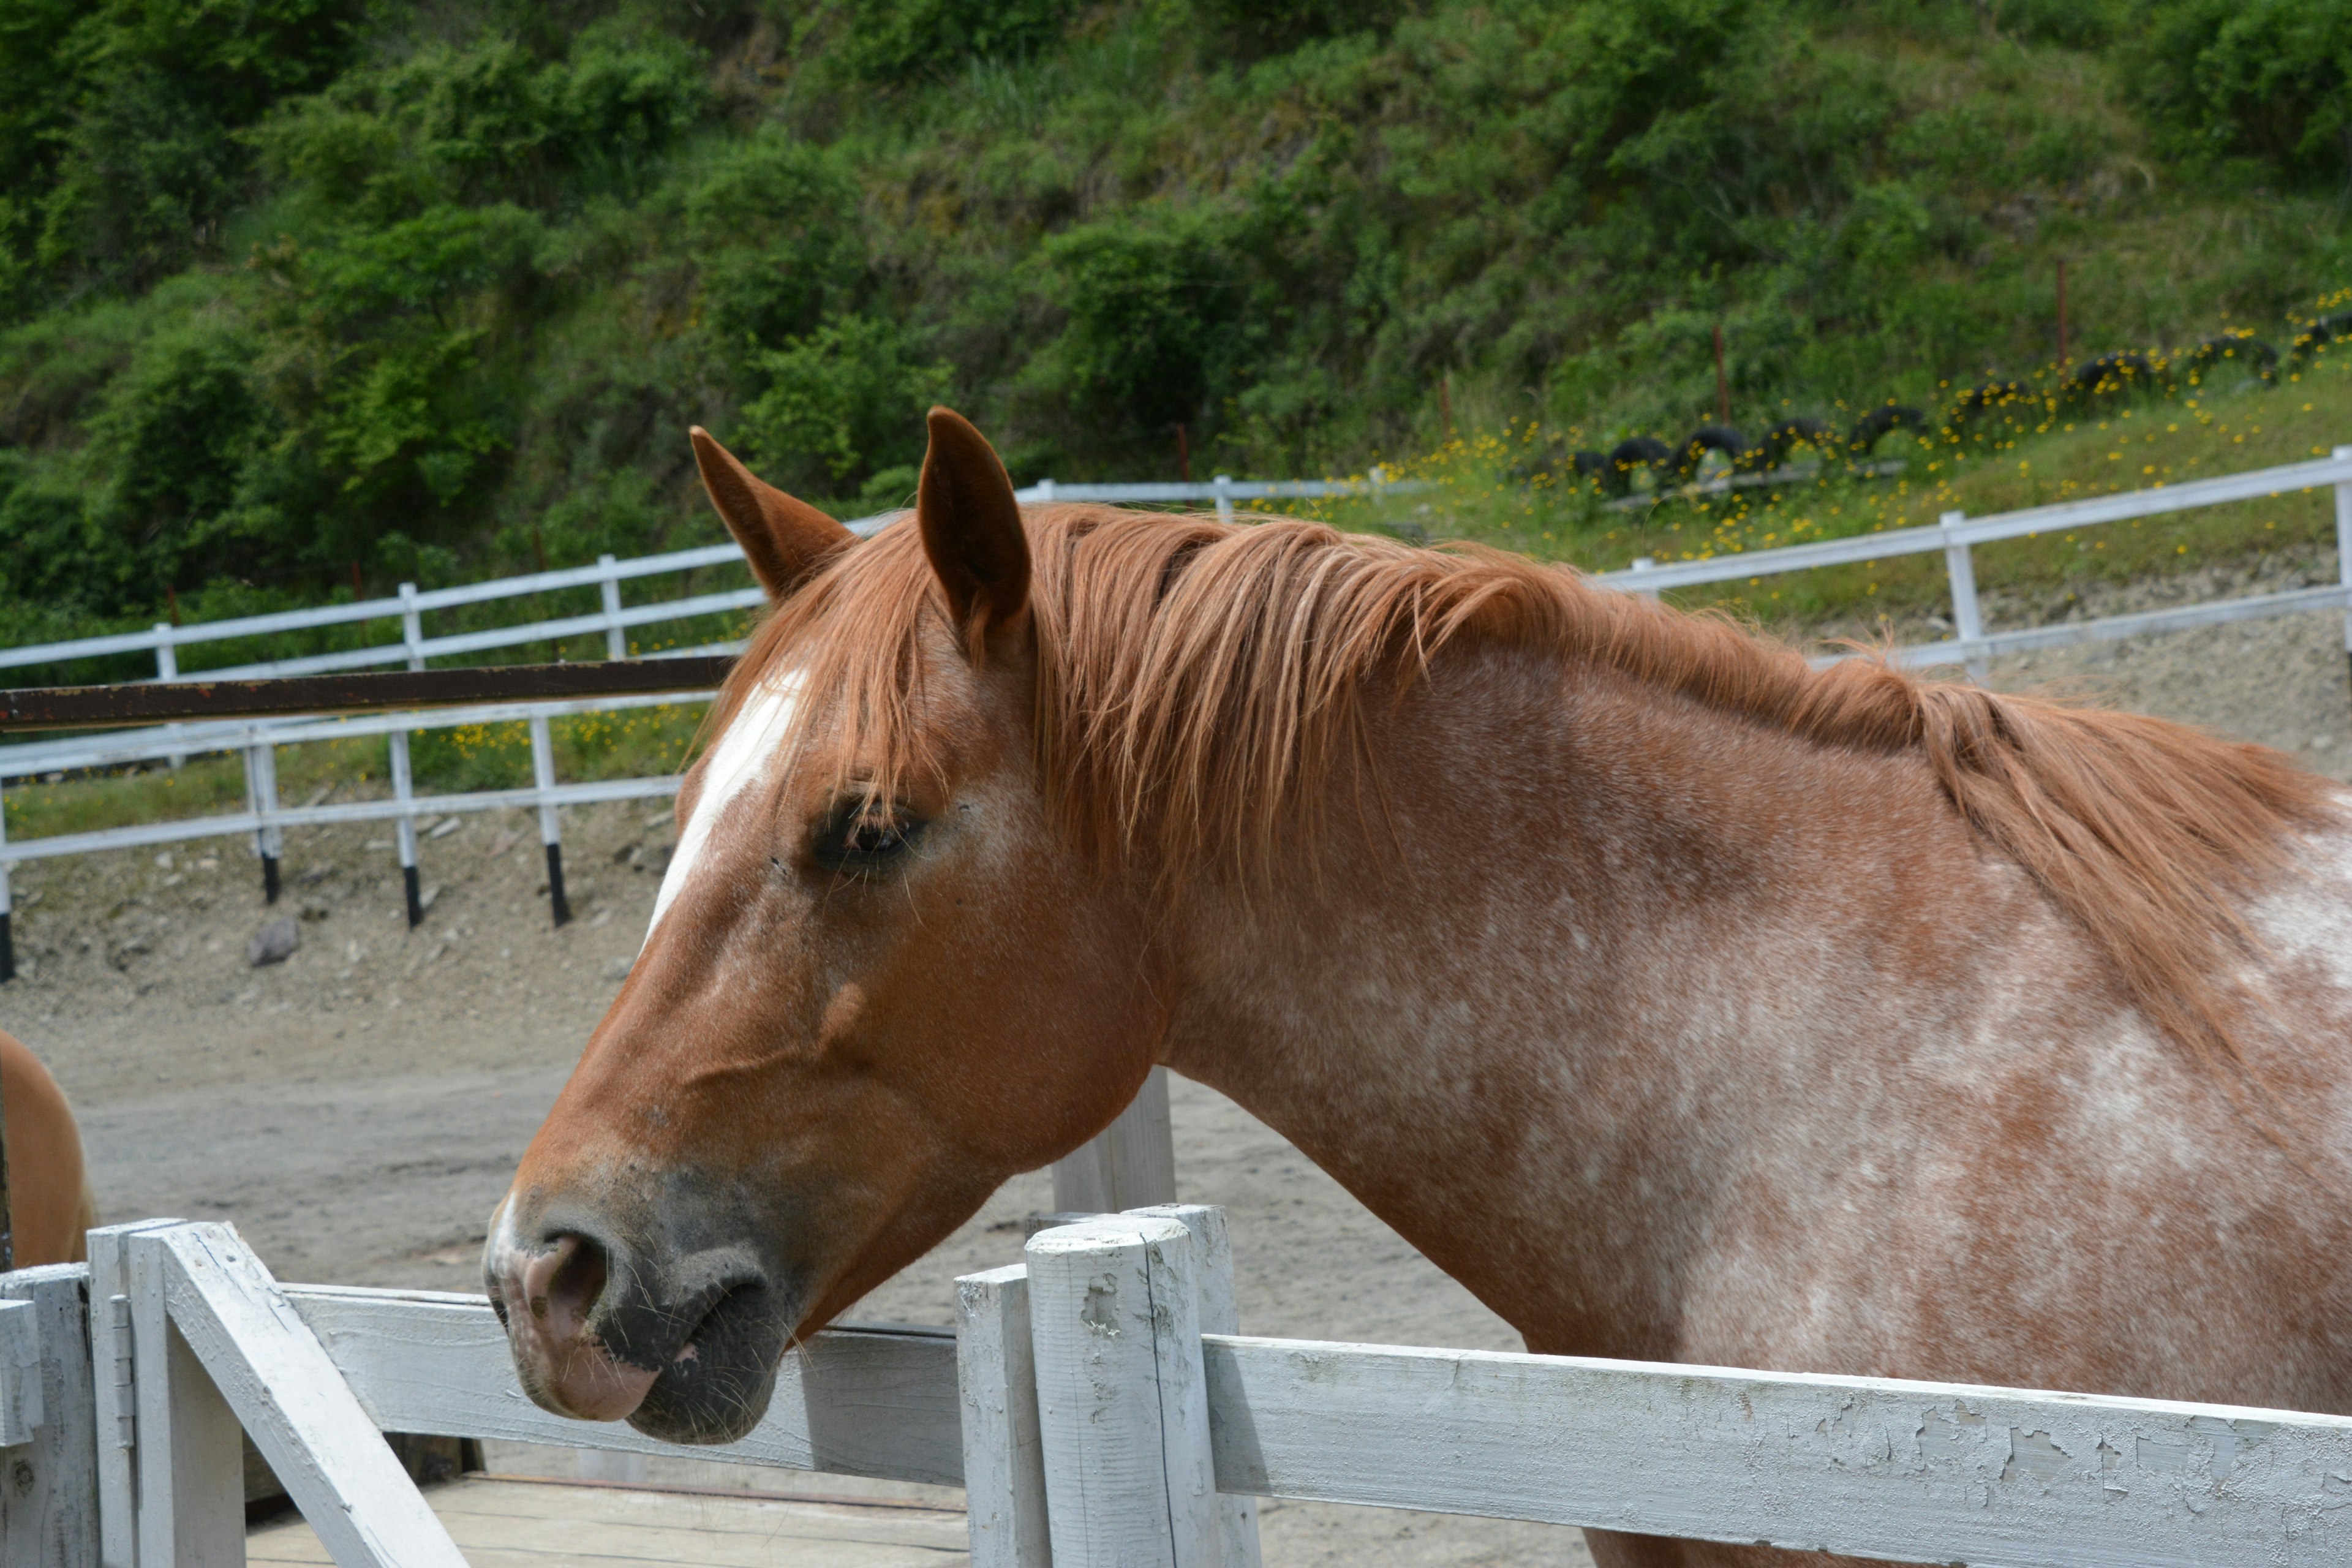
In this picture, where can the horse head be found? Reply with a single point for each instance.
(877, 982)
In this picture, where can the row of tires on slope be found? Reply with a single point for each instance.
(2109, 377)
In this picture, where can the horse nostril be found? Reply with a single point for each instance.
(561, 1286)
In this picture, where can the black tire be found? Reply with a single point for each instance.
(1993, 399)
(2250, 353)
(1708, 438)
(1591, 469)
(2112, 375)
(1772, 452)
(1637, 452)
(1875, 425)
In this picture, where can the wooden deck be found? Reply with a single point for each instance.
(505, 1522)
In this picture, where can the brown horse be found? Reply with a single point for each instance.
(1684, 1001)
(50, 1207)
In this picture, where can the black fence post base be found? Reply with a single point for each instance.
(8, 950)
(415, 898)
(555, 885)
(269, 884)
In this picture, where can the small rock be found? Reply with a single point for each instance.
(429, 897)
(164, 861)
(274, 943)
(617, 970)
(313, 910)
(379, 844)
(507, 839)
(448, 826)
(208, 864)
(661, 819)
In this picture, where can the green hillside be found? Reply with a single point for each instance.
(301, 294)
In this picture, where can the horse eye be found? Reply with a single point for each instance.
(861, 837)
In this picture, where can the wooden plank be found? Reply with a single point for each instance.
(498, 1523)
(113, 1393)
(1129, 1163)
(48, 1509)
(1874, 1467)
(255, 1357)
(1003, 1466)
(878, 1402)
(147, 702)
(1122, 1407)
(190, 1459)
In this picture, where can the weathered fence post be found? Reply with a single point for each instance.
(996, 1380)
(616, 641)
(1967, 621)
(167, 667)
(48, 1507)
(1646, 563)
(268, 839)
(7, 903)
(1212, 1253)
(1122, 1401)
(190, 1457)
(2343, 545)
(551, 828)
(1224, 486)
(404, 788)
(114, 1390)
(403, 827)
(1129, 1163)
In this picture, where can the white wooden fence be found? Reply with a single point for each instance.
(1099, 1410)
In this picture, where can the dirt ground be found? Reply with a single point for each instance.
(357, 1109)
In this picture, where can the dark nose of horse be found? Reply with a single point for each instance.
(549, 1299)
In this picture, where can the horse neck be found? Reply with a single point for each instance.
(1540, 1014)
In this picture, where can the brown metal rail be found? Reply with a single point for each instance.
(148, 702)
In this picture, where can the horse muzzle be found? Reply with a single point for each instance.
(681, 1341)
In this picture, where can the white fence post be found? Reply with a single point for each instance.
(616, 641)
(403, 787)
(239, 1353)
(7, 903)
(190, 1460)
(167, 667)
(2344, 546)
(114, 1390)
(1122, 1401)
(1213, 1254)
(1968, 621)
(268, 839)
(997, 1383)
(48, 1505)
(1646, 563)
(1129, 1163)
(551, 828)
(403, 827)
(1222, 486)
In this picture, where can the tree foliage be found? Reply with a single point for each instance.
(291, 286)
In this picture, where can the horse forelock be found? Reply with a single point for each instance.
(1197, 683)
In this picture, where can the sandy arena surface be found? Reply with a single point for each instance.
(357, 1109)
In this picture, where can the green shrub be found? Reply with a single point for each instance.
(840, 402)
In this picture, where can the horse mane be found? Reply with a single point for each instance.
(1196, 682)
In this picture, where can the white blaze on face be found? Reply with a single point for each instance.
(752, 741)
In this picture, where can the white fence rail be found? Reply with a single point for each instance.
(1098, 1410)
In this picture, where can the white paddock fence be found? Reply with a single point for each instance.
(1099, 1412)
(265, 818)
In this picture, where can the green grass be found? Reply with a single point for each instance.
(2203, 432)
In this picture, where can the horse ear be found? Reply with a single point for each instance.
(971, 526)
(784, 539)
